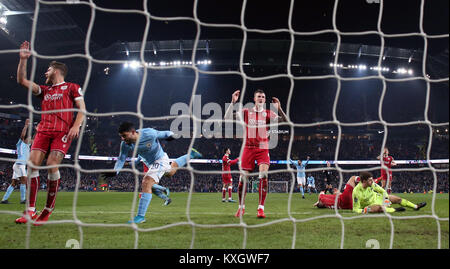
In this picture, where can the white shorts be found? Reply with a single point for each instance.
(19, 170)
(301, 180)
(158, 168)
(312, 186)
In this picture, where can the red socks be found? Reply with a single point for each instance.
(230, 189)
(34, 187)
(241, 193)
(52, 190)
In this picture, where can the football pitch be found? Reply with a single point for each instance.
(299, 225)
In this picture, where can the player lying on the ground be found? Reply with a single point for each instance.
(344, 199)
(227, 179)
(369, 197)
(149, 148)
(19, 167)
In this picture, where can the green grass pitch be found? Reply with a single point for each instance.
(109, 208)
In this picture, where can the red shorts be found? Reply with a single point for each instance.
(51, 141)
(346, 198)
(250, 155)
(227, 179)
(384, 175)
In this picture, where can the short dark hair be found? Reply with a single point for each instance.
(365, 176)
(60, 66)
(126, 127)
(225, 150)
(258, 91)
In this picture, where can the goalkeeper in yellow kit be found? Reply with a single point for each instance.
(369, 197)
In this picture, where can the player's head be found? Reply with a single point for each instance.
(366, 178)
(259, 97)
(127, 132)
(227, 151)
(386, 151)
(55, 69)
(328, 164)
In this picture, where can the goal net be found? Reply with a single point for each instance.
(294, 139)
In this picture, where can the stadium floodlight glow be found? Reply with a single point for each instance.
(162, 63)
(3, 20)
(209, 61)
(126, 65)
(410, 72)
(134, 64)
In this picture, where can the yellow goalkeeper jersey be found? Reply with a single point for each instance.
(372, 195)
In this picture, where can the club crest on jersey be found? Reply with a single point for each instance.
(148, 145)
(264, 114)
(64, 87)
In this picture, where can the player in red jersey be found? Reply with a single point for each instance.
(345, 200)
(227, 179)
(256, 144)
(388, 161)
(55, 131)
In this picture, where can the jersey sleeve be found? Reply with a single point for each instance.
(356, 204)
(124, 149)
(42, 91)
(271, 116)
(379, 189)
(76, 92)
(234, 161)
(164, 134)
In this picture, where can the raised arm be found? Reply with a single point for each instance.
(23, 135)
(22, 69)
(229, 114)
(282, 115)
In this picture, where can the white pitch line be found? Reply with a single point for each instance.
(171, 213)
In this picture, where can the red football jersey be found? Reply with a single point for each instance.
(387, 160)
(226, 163)
(257, 137)
(59, 96)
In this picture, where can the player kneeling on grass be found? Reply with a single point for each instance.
(369, 197)
(149, 149)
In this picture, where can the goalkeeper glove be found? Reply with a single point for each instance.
(366, 210)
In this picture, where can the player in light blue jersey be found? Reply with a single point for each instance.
(148, 147)
(301, 176)
(311, 184)
(19, 167)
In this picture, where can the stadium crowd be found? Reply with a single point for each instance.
(105, 142)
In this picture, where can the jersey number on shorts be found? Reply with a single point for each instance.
(154, 166)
